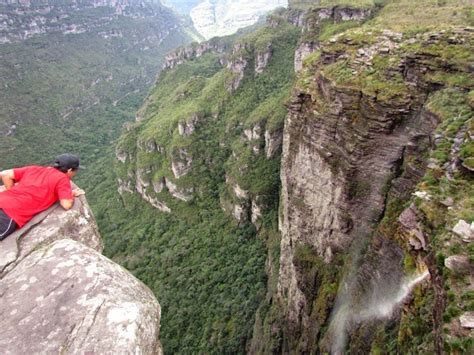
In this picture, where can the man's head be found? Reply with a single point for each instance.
(67, 163)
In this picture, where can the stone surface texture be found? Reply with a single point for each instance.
(464, 230)
(467, 320)
(59, 295)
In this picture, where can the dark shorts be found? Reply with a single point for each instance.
(7, 225)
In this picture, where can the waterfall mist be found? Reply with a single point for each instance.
(379, 301)
(373, 287)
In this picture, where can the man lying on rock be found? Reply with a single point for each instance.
(33, 189)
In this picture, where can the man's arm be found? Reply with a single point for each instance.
(66, 203)
(8, 178)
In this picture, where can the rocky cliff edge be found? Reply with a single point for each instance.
(58, 294)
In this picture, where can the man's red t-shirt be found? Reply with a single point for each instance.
(37, 188)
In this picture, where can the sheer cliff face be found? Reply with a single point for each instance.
(357, 134)
(162, 155)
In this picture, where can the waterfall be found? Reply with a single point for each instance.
(377, 304)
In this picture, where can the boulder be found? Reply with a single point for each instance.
(467, 320)
(457, 263)
(464, 230)
(67, 298)
(413, 231)
(58, 294)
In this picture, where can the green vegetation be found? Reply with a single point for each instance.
(421, 15)
(206, 269)
(227, 149)
(207, 274)
(73, 92)
(451, 106)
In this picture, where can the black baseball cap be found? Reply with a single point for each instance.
(68, 161)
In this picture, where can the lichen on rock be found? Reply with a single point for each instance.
(58, 294)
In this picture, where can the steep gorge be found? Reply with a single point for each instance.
(376, 172)
(302, 188)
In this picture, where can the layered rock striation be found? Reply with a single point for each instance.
(374, 210)
(352, 146)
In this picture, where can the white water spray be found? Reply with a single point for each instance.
(376, 307)
(383, 308)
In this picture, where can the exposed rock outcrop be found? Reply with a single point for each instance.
(302, 52)
(237, 64)
(124, 186)
(458, 263)
(181, 163)
(311, 20)
(121, 155)
(467, 320)
(262, 59)
(59, 294)
(340, 147)
(139, 181)
(254, 133)
(186, 128)
(256, 210)
(195, 50)
(464, 230)
(409, 220)
(273, 141)
(150, 146)
(180, 194)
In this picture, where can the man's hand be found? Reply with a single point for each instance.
(8, 178)
(78, 192)
(67, 204)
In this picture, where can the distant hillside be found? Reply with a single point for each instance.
(72, 72)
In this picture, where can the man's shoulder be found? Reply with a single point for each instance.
(55, 172)
(27, 167)
(48, 171)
